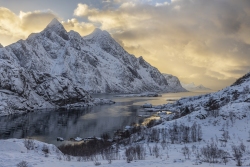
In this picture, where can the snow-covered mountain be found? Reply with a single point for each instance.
(56, 67)
(96, 63)
(174, 83)
(193, 87)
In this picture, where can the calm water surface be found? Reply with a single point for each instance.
(46, 126)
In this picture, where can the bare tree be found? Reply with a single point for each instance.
(225, 156)
(211, 153)
(238, 154)
(186, 152)
(194, 132)
(232, 117)
(199, 133)
(156, 151)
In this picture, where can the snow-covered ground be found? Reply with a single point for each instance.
(220, 119)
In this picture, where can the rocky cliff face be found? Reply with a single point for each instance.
(174, 83)
(56, 67)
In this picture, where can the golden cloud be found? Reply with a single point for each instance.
(35, 21)
(80, 27)
(84, 10)
(14, 27)
(197, 38)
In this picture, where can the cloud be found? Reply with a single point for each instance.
(84, 10)
(35, 21)
(80, 27)
(195, 34)
(9, 25)
(162, 4)
(200, 41)
(14, 27)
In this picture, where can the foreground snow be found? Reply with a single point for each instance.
(13, 151)
(223, 119)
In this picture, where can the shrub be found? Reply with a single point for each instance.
(186, 152)
(211, 153)
(96, 163)
(238, 153)
(22, 164)
(85, 149)
(135, 152)
(29, 144)
(105, 136)
(45, 149)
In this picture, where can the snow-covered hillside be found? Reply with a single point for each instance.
(174, 83)
(193, 87)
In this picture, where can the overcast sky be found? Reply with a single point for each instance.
(202, 41)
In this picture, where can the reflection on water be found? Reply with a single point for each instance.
(46, 126)
(168, 97)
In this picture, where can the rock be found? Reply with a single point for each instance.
(59, 139)
(147, 105)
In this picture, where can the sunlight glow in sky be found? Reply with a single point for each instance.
(202, 41)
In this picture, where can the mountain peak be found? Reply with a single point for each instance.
(98, 31)
(97, 34)
(57, 27)
(1, 46)
(54, 22)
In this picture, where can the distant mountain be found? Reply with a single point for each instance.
(174, 83)
(193, 87)
(57, 68)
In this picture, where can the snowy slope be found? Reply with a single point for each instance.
(237, 94)
(193, 87)
(174, 83)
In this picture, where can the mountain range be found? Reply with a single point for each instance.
(193, 87)
(57, 68)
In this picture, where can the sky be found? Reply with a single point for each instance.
(202, 41)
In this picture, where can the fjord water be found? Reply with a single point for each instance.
(47, 125)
